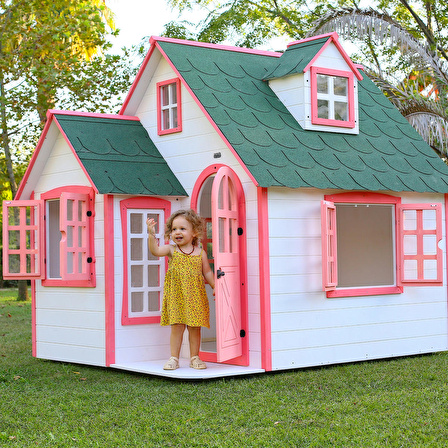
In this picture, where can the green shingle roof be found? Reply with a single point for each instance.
(119, 156)
(388, 154)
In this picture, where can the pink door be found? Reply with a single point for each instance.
(227, 265)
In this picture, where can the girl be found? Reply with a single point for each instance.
(185, 302)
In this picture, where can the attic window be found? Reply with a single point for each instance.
(169, 116)
(332, 98)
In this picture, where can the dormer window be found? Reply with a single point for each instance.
(169, 116)
(332, 98)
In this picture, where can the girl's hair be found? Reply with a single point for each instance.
(193, 218)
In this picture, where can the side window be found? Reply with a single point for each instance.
(67, 232)
(364, 253)
(332, 98)
(69, 228)
(143, 273)
(169, 110)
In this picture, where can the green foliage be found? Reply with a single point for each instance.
(53, 54)
(391, 403)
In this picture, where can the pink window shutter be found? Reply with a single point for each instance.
(419, 233)
(329, 246)
(23, 239)
(76, 242)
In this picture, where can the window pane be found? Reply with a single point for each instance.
(173, 88)
(410, 269)
(153, 276)
(430, 269)
(429, 219)
(410, 244)
(174, 117)
(70, 236)
(410, 219)
(153, 301)
(155, 217)
(137, 276)
(365, 245)
(137, 302)
(222, 235)
(322, 84)
(340, 111)
(429, 244)
(322, 109)
(340, 86)
(70, 210)
(136, 249)
(165, 119)
(165, 95)
(136, 223)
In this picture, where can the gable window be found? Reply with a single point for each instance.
(332, 98)
(365, 252)
(169, 113)
(143, 272)
(61, 251)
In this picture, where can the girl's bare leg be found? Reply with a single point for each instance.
(177, 332)
(194, 334)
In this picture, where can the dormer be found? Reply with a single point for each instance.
(318, 83)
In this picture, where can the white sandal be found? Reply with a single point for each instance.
(197, 363)
(172, 364)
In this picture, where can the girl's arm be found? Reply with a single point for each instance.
(154, 248)
(207, 271)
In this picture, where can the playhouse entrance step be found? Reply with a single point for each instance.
(213, 370)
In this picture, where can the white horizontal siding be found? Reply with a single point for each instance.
(308, 329)
(70, 322)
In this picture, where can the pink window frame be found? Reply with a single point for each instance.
(350, 98)
(358, 198)
(419, 232)
(125, 205)
(35, 229)
(88, 278)
(159, 86)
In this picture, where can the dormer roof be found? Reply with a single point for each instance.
(300, 56)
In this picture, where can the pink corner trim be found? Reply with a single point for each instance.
(265, 287)
(33, 319)
(109, 278)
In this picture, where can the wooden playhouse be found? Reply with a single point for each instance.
(324, 208)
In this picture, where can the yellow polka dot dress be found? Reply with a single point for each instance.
(184, 298)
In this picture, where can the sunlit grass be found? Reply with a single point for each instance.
(392, 403)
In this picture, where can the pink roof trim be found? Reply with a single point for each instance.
(332, 38)
(137, 79)
(155, 39)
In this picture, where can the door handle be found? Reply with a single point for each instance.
(220, 273)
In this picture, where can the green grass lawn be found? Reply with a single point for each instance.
(393, 403)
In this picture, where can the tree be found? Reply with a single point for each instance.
(403, 45)
(53, 54)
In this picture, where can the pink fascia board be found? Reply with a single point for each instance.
(137, 79)
(155, 39)
(209, 118)
(332, 38)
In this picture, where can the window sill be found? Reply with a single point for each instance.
(357, 292)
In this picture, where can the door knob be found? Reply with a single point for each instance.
(220, 273)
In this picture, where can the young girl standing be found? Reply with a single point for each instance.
(185, 302)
